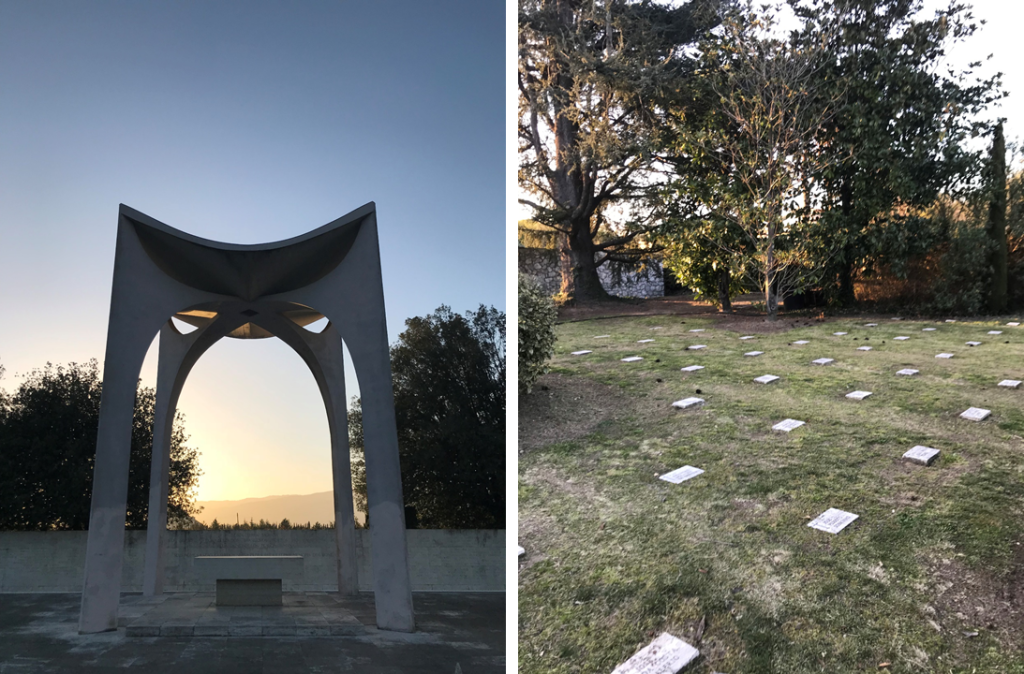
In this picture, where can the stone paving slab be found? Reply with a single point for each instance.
(39, 634)
(197, 615)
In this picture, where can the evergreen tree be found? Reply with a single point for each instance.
(48, 446)
(594, 81)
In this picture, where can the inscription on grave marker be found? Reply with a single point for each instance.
(664, 655)
(681, 474)
(787, 425)
(921, 454)
(688, 402)
(832, 520)
(975, 414)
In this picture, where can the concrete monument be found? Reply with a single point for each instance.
(247, 292)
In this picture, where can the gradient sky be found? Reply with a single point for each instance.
(245, 122)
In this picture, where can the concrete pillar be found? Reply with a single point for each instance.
(172, 350)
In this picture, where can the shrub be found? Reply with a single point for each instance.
(536, 332)
(965, 271)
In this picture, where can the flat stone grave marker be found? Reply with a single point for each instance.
(697, 330)
(1010, 383)
(753, 353)
(1013, 324)
(871, 325)
(897, 318)
(522, 550)
(928, 329)
(657, 327)
(602, 336)
(644, 341)
(975, 414)
(632, 359)
(995, 332)
(864, 348)
(801, 341)
(664, 655)
(951, 320)
(747, 337)
(697, 346)
(787, 425)
(581, 353)
(766, 379)
(947, 356)
(908, 371)
(692, 368)
(973, 343)
(840, 334)
(901, 338)
(858, 395)
(921, 454)
(681, 474)
(688, 402)
(823, 361)
(832, 521)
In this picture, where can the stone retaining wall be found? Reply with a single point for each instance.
(439, 560)
(541, 264)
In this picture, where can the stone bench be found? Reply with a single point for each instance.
(249, 581)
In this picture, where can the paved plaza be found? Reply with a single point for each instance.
(311, 632)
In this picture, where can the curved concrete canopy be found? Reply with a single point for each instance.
(245, 271)
(299, 314)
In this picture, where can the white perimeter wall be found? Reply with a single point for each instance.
(439, 560)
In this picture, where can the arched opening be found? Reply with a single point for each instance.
(255, 413)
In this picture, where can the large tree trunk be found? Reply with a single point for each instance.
(724, 303)
(580, 282)
(847, 297)
(996, 226)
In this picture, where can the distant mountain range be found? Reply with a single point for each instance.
(298, 509)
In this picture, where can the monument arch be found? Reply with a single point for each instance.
(247, 292)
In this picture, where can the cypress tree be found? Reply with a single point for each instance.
(996, 226)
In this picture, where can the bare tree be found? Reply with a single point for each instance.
(771, 112)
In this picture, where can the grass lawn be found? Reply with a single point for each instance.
(930, 578)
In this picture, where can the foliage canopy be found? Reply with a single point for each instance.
(449, 385)
(48, 445)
